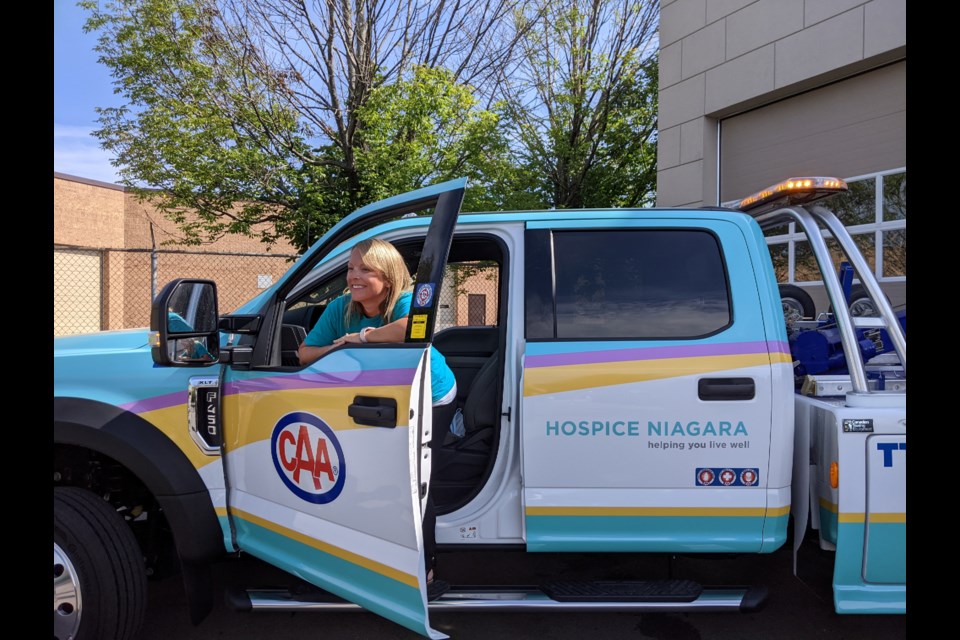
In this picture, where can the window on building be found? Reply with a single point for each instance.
(874, 211)
(635, 284)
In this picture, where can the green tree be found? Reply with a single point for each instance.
(243, 112)
(582, 97)
(427, 128)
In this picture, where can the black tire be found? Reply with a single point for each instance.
(860, 303)
(99, 580)
(796, 301)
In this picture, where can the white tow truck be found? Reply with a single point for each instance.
(633, 389)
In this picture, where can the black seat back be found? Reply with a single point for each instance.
(291, 336)
(481, 408)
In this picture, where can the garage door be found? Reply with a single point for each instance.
(850, 128)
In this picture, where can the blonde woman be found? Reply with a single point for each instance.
(375, 309)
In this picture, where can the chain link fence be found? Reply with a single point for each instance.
(106, 289)
(469, 296)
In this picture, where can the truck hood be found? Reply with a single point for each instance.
(102, 342)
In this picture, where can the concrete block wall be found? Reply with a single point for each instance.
(722, 57)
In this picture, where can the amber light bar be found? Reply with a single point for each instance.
(791, 191)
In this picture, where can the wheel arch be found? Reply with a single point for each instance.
(165, 471)
(153, 458)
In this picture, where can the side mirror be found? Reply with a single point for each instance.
(183, 324)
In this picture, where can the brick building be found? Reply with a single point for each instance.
(112, 253)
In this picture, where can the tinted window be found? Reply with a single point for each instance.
(639, 284)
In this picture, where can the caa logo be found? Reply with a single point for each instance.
(424, 295)
(308, 457)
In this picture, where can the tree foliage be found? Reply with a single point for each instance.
(188, 131)
(293, 113)
(583, 97)
(253, 111)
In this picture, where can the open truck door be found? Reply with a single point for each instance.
(326, 468)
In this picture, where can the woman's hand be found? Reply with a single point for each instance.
(393, 332)
(309, 355)
(350, 337)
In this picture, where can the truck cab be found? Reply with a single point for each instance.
(625, 383)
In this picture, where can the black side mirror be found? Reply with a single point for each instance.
(184, 324)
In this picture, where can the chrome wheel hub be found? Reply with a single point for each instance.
(66, 596)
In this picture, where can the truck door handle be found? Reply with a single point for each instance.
(726, 388)
(374, 412)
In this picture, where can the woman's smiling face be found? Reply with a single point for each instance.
(367, 285)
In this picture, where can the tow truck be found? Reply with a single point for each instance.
(648, 346)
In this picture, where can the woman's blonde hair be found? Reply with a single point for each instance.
(385, 258)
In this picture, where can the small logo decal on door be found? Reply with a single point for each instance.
(727, 477)
(308, 457)
(424, 295)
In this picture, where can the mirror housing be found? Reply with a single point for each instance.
(184, 328)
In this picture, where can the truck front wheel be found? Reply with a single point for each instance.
(99, 581)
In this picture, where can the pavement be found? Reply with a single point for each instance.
(798, 607)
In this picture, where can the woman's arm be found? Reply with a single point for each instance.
(309, 355)
(393, 332)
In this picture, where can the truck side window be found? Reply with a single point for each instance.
(470, 295)
(308, 309)
(635, 284)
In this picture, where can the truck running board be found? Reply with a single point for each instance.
(650, 596)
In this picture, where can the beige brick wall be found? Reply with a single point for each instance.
(105, 217)
(485, 283)
(87, 213)
(95, 214)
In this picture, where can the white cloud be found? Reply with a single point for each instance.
(76, 152)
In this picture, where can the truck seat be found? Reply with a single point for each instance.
(459, 464)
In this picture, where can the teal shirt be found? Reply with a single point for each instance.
(332, 324)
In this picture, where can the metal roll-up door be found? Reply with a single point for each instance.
(849, 128)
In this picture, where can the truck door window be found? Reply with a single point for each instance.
(470, 295)
(635, 284)
(307, 310)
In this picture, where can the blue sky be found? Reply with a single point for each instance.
(79, 85)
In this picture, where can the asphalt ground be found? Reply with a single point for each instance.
(798, 607)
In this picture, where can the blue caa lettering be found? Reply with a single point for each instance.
(695, 428)
(888, 448)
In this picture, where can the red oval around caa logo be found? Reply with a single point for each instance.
(706, 476)
(727, 477)
(308, 457)
(748, 477)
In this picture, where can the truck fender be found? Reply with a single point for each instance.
(167, 473)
